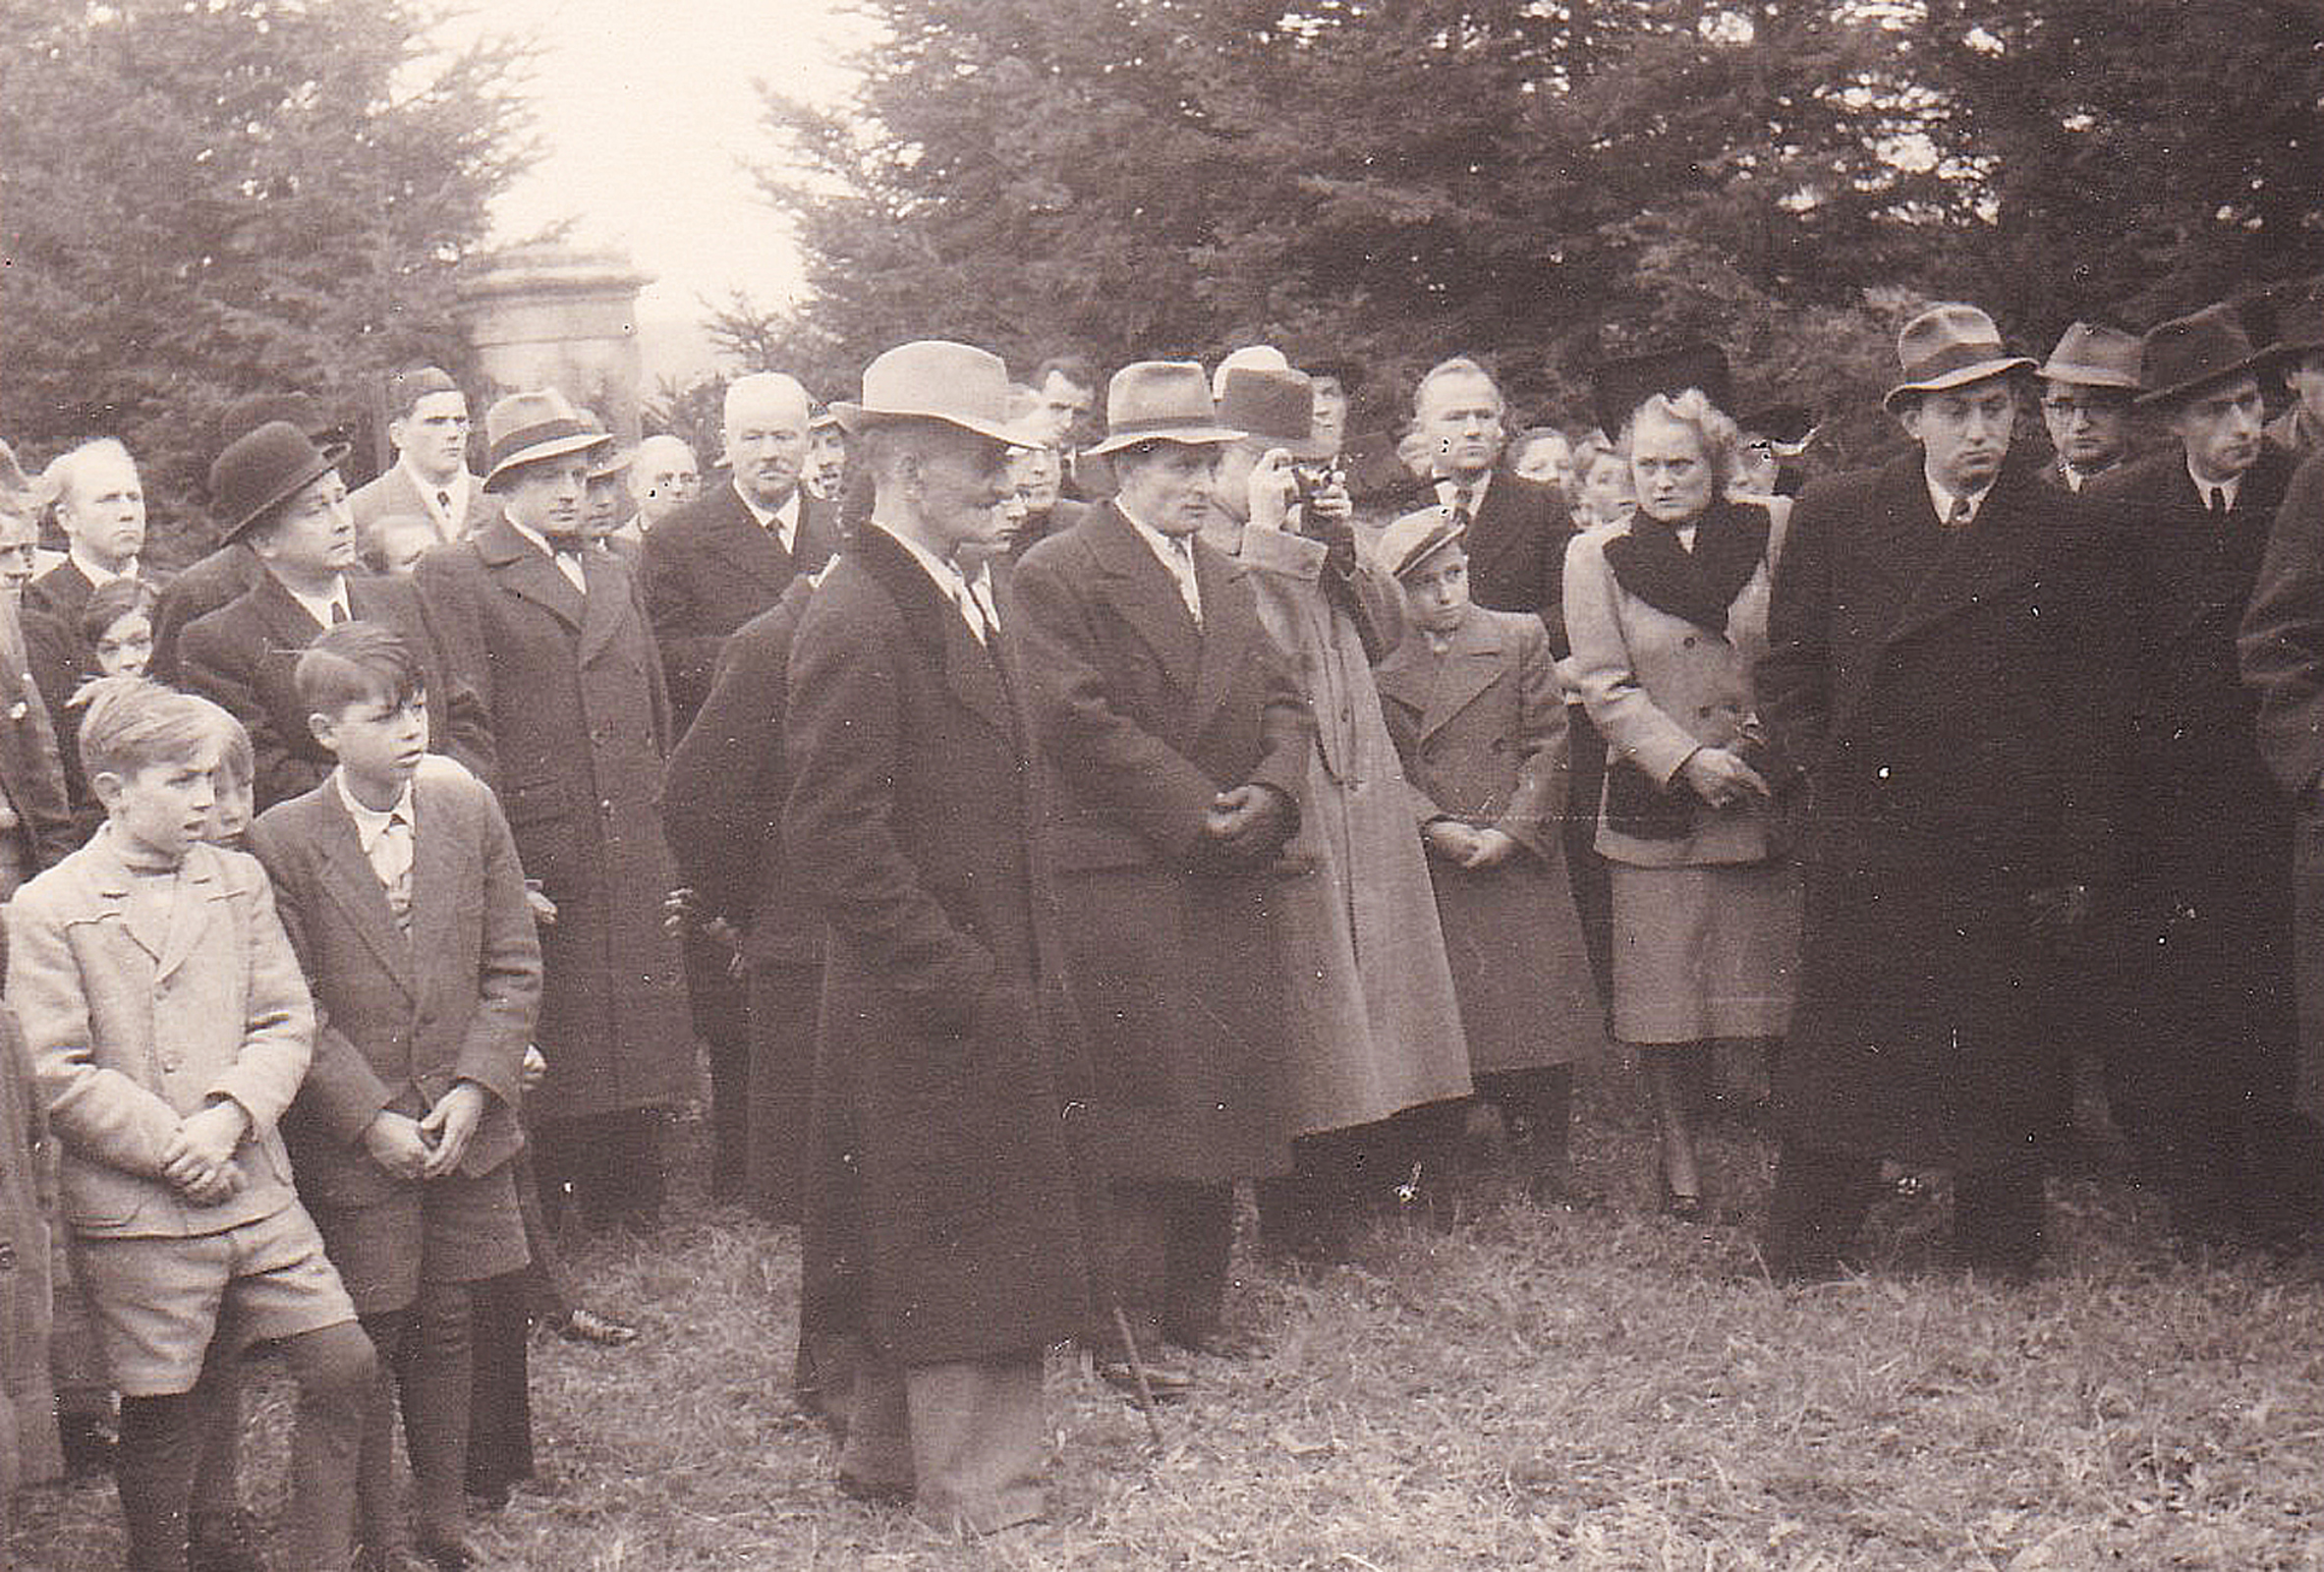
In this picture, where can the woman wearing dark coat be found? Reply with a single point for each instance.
(1667, 611)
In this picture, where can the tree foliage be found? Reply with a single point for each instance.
(1542, 181)
(203, 198)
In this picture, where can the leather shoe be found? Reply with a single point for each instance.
(1168, 1382)
(222, 1542)
(589, 1326)
(879, 1493)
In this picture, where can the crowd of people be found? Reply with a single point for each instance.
(1042, 814)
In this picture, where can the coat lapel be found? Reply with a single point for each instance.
(1441, 687)
(608, 604)
(1142, 590)
(738, 537)
(1971, 567)
(355, 888)
(1225, 639)
(968, 669)
(196, 883)
(286, 626)
(528, 572)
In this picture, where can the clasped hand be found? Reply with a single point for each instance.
(1466, 846)
(198, 1157)
(1244, 820)
(1721, 778)
(432, 1145)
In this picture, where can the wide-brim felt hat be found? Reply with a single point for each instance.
(1163, 401)
(2093, 355)
(1277, 408)
(1949, 345)
(936, 379)
(1412, 539)
(1618, 386)
(2189, 353)
(261, 470)
(526, 428)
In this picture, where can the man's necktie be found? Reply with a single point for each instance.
(2219, 499)
(339, 613)
(443, 503)
(564, 542)
(1961, 513)
(1182, 569)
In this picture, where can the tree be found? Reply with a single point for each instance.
(204, 200)
(1540, 182)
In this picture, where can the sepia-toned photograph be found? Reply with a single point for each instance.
(1120, 785)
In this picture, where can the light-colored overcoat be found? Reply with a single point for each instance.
(1378, 1022)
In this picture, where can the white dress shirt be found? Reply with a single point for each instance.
(1469, 496)
(446, 504)
(1942, 501)
(326, 609)
(782, 522)
(948, 577)
(568, 562)
(386, 840)
(1177, 554)
(2204, 489)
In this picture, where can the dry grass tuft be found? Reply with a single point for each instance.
(1602, 1389)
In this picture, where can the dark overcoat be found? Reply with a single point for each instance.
(1481, 728)
(572, 686)
(1172, 953)
(218, 579)
(1955, 699)
(2282, 649)
(244, 657)
(943, 1199)
(711, 567)
(2202, 924)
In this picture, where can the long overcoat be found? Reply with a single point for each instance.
(2282, 650)
(1175, 957)
(1481, 729)
(2203, 923)
(1955, 699)
(1377, 1024)
(943, 1198)
(580, 724)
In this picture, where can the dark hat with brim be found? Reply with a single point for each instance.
(2093, 355)
(261, 470)
(1947, 346)
(526, 428)
(1407, 544)
(2189, 353)
(1788, 424)
(1277, 408)
(1620, 386)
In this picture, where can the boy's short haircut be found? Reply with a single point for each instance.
(235, 757)
(356, 663)
(111, 601)
(131, 723)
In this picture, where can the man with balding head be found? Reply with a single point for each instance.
(706, 570)
(663, 478)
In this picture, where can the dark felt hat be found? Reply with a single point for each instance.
(525, 427)
(1618, 386)
(1277, 406)
(2189, 353)
(1949, 345)
(262, 469)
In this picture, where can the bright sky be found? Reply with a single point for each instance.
(647, 109)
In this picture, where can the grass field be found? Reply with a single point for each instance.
(1529, 1388)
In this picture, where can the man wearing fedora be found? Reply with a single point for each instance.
(552, 636)
(1173, 741)
(944, 1200)
(2088, 383)
(708, 569)
(427, 426)
(2202, 1060)
(2300, 343)
(1939, 663)
(1382, 1064)
(281, 496)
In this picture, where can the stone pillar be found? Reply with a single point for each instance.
(550, 316)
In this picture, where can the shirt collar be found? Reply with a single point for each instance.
(456, 487)
(2204, 489)
(945, 576)
(372, 822)
(95, 574)
(1942, 500)
(1449, 488)
(319, 606)
(1162, 544)
(787, 516)
(532, 535)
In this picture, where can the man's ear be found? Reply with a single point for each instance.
(107, 786)
(1908, 417)
(324, 728)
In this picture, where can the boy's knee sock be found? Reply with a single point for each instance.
(379, 1515)
(436, 1376)
(217, 1464)
(154, 1474)
(338, 1375)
